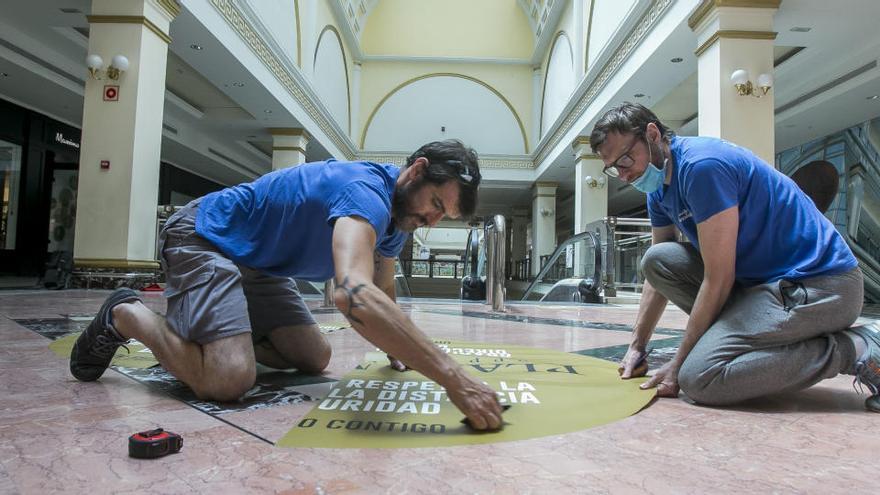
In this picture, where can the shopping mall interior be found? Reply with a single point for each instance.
(115, 114)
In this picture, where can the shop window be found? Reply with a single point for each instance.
(10, 179)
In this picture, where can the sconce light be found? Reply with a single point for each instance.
(546, 212)
(595, 182)
(95, 63)
(744, 87)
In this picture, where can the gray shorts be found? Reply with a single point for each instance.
(210, 297)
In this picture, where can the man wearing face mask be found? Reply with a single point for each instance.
(229, 258)
(770, 287)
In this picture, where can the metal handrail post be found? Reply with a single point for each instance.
(329, 289)
(495, 236)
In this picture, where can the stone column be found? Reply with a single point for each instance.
(543, 222)
(730, 38)
(590, 197)
(122, 136)
(518, 230)
(288, 147)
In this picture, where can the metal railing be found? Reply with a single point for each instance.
(495, 235)
(432, 268)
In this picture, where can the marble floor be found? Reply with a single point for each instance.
(63, 436)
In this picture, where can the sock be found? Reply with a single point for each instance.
(109, 324)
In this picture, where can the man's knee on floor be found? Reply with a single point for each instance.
(227, 384)
(700, 385)
(317, 361)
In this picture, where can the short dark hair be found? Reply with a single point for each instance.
(452, 160)
(627, 118)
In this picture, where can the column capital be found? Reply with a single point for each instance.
(545, 189)
(582, 149)
(734, 34)
(708, 6)
(289, 131)
(580, 141)
(130, 19)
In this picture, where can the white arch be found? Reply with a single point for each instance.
(445, 106)
(331, 77)
(559, 82)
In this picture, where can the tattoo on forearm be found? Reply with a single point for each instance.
(351, 293)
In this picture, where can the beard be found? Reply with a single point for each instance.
(402, 207)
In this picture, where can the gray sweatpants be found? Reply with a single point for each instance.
(775, 337)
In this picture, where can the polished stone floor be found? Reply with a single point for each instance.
(61, 435)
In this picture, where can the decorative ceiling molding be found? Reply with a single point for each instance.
(288, 76)
(543, 16)
(351, 17)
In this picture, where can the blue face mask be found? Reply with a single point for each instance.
(652, 178)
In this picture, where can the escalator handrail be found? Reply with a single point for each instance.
(472, 253)
(559, 249)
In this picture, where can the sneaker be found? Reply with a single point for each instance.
(95, 347)
(867, 369)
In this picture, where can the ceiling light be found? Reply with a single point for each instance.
(800, 29)
(872, 97)
(267, 111)
(639, 95)
(238, 84)
(677, 60)
(195, 46)
(3, 74)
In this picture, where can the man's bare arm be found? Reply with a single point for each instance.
(383, 277)
(378, 319)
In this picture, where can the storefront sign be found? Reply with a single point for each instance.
(59, 138)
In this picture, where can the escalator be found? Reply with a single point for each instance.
(473, 283)
(573, 273)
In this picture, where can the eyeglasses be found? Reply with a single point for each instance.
(623, 162)
(465, 174)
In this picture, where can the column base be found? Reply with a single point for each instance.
(112, 274)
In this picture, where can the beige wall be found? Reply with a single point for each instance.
(451, 28)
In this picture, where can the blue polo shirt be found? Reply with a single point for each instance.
(781, 233)
(282, 223)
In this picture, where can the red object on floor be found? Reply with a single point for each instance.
(152, 288)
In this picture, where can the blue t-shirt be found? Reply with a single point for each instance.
(282, 223)
(781, 233)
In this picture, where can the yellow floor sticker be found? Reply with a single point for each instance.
(549, 392)
(137, 356)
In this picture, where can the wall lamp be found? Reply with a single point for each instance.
(595, 182)
(95, 63)
(740, 80)
(546, 212)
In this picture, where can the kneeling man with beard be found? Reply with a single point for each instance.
(230, 257)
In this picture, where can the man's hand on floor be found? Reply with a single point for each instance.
(666, 380)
